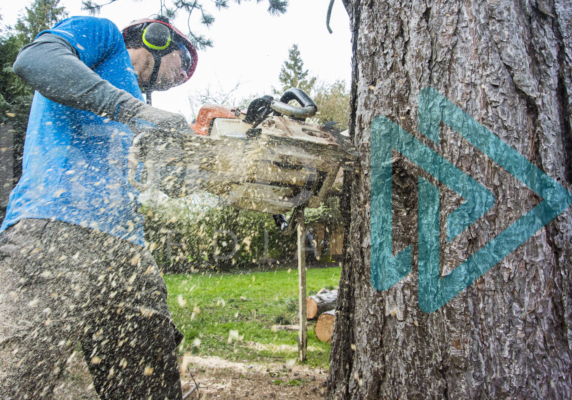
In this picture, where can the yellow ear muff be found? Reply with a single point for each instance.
(157, 36)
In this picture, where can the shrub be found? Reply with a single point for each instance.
(197, 233)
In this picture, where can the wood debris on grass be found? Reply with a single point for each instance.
(227, 380)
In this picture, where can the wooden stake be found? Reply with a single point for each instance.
(303, 334)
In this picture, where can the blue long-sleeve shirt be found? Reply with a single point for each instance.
(75, 161)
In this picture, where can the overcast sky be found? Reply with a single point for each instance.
(250, 45)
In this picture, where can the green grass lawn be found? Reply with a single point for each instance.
(206, 308)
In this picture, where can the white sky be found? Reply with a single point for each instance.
(250, 45)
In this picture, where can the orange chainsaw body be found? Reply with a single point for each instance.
(207, 113)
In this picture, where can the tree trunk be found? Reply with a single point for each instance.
(509, 334)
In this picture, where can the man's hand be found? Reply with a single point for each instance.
(158, 141)
(158, 134)
(142, 118)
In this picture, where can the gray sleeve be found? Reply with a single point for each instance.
(52, 67)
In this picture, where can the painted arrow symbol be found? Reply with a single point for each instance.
(434, 290)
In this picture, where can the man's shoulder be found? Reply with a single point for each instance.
(93, 38)
(86, 23)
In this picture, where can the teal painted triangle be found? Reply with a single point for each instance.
(386, 270)
(435, 291)
(386, 136)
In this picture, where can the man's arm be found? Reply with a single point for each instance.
(60, 72)
(52, 66)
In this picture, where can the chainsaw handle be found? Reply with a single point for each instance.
(138, 185)
(133, 163)
(308, 109)
(300, 96)
(293, 111)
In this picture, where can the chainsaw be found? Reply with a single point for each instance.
(272, 158)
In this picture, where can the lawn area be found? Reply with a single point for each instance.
(207, 307)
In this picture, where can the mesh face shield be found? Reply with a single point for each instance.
(186, 59)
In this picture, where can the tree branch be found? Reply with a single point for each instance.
(275, 7)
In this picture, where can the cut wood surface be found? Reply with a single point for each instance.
(323, 301)
(325, 326)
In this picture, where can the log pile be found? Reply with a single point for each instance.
(322, 306)
(324, 301)
(325, 326)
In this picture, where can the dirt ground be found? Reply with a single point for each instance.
(217, 379)
(220, 379)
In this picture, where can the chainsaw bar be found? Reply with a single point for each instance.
(280, 165)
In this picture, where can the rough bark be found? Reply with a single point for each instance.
(508, 335)
(321, 302)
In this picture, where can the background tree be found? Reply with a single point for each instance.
(333, 101)
(42, 15)
(293, 73)
(217, 94)
(509, 334)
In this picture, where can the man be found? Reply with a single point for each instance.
(72, 262)
(311, 255)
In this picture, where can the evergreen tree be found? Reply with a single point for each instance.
(42, 15)
(333, 101)
(293, 74)
(15, 94)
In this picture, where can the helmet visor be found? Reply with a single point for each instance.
(186, 58)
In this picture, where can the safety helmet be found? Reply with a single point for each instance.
(161, 38)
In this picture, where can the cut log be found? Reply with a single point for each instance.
(321, 302)
(325, 326)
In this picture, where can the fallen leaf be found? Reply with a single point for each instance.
(232, 336)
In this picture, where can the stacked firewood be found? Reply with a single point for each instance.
(322, 306)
